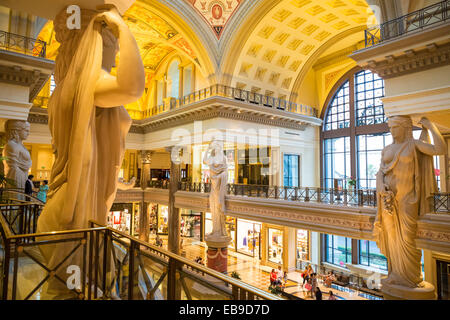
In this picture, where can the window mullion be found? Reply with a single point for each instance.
(352, 126)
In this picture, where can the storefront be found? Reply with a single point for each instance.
(163, 219)
(249, 238)
(191, 224)
(302, 244)
(120, 217)
(275, 245)
(152, 211)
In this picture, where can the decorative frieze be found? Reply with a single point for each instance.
(412, 61)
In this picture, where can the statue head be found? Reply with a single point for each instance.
(71, 38)
(400, 127)
(17, 130)
(216, 147)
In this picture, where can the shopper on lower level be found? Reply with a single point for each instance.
(318, 293)
(332, 296)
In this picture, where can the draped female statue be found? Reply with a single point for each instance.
(405, 183)
(88, 125)
(17, 160)
(215, 159)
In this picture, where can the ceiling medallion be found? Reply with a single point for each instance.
(216, 12)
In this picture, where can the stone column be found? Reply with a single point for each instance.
(174, 212)
(145, 177)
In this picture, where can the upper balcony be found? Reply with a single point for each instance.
(413, 22)
(216, 100)
(20, 44)
(24, 71)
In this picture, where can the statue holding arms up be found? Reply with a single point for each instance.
(405, 184)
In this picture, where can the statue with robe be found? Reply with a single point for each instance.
(88, 123)
(215, 159)
(405, 187)
(17, 160)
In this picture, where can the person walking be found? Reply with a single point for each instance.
(331, 296)
(43, 189)
(313, 284)
(29, 186)
(318, 293)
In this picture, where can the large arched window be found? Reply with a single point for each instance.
(354, 131)
(353, 134)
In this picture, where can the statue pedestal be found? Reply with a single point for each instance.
(217, 253)
(396, 292)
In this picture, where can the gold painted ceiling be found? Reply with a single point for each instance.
(155, 37)
(288, 36)
(216, 13)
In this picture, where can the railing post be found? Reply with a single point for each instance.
(276, 192)
(331, 195)
(172, 279)
(5, 273)
(319, 195)
(131, 270)
(306, 194)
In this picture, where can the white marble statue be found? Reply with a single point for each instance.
(215, 159)
(88, 125)
(18, 160)
(405, 183)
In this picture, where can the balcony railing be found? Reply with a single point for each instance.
(219, 90)
(441, 203)
(356, 197)
(409, 23)
(113, 266)
(21, 44)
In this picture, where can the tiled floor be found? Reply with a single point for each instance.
(253, 273)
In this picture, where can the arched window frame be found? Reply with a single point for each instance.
(173, 60)
(352, 131)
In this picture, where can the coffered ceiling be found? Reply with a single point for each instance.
(291, 34)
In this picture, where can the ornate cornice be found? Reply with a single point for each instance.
(220, 112)
(412, 61)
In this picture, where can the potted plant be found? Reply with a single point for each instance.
(351, 183)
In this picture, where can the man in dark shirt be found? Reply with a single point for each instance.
(29, 186)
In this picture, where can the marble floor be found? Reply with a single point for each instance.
(255, 274)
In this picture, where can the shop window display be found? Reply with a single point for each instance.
(302, 244)
(190, 224)
(248, 237)
(120, 220)
(253, 166)
(275, 246)
(163, 219)
(153, 217)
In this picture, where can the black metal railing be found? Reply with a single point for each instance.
(414, 21)
(354, 197)
(441, 202)
(112, 265)
(219, 90)
(17, 43)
